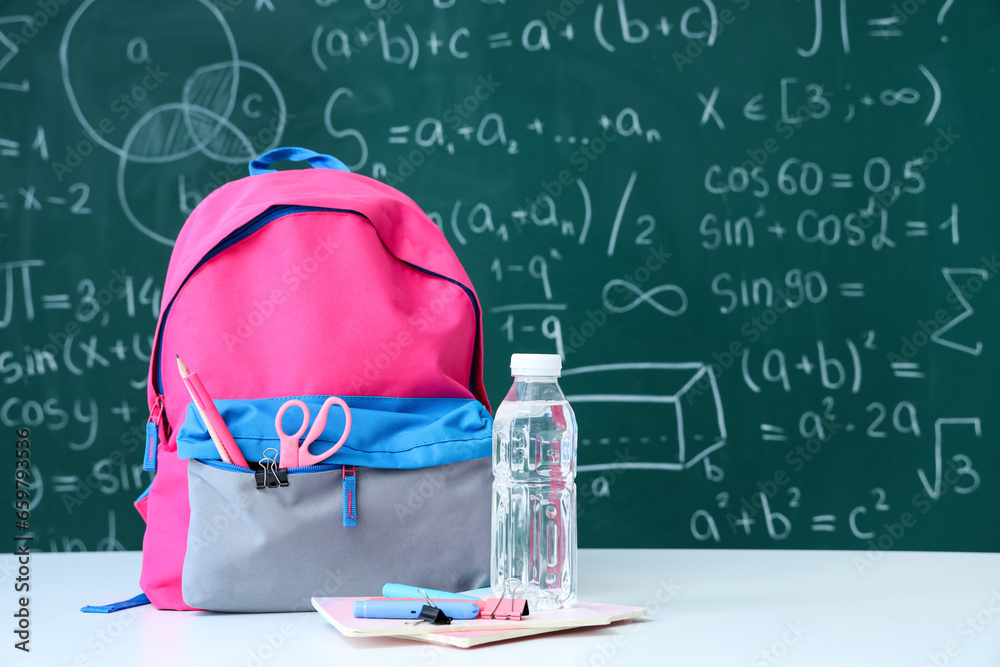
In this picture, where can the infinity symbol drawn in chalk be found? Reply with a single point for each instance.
(644, 296)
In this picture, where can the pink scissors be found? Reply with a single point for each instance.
(294, 455)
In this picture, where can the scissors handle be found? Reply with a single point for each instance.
(305, 457)
(289, 454)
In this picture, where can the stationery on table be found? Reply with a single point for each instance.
(498, 609)
(340, 613)
(217, 429)
(386, 617)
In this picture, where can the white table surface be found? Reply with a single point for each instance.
(707, 608)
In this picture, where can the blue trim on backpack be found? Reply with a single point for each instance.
(137, 601)
(393, 433)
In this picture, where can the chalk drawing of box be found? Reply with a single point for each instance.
(646, 415)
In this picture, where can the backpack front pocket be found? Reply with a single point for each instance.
(272, 549)
(407, 500)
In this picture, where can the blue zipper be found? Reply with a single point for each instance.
(246, 230)
(475, 307)
(349, 487)
(232, 467)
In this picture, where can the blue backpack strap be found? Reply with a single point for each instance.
(295, 154)
(137, 601)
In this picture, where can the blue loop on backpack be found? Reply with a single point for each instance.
(152, 444)
(295, 154)
(137, 601)
(350, 506)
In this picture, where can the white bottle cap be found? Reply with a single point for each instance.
(539, 365)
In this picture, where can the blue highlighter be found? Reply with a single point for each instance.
(405, 591)
(410, 609)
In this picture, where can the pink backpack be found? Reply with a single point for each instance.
(309, 284)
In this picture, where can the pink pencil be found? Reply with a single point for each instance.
(217, 429)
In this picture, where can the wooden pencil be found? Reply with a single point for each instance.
(223, 440)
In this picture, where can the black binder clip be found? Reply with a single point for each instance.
(431, 613)
(434, 616)
(271, 476)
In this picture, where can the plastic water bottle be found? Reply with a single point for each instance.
(534, 492)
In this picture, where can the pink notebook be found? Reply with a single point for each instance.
(470, 638)
(463, 634)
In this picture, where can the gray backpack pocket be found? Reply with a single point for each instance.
(406, 499)
(272, 549)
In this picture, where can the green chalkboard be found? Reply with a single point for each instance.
(762, 235)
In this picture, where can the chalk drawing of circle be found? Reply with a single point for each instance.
(173, 145)
(174, 108)
(203, 90)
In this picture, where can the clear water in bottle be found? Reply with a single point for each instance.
(534, 492)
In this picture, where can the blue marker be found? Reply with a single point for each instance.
(404, 591)
(411, 609)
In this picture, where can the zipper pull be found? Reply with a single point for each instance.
(153, 435)
(350, 478)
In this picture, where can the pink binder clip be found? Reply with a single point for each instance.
(504, 608)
